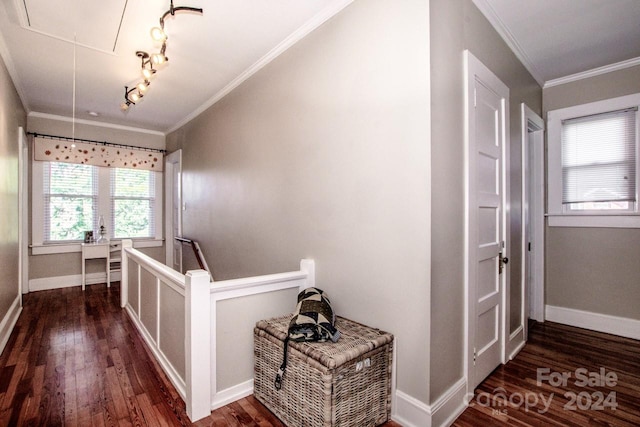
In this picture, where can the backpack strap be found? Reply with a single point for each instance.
(280, 373)
(313, 320)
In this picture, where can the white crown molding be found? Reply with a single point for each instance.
(508, 38)
(283, 46)
(593, 72)
(13, 73)
(94, 123)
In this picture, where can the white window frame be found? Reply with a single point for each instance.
(557, 215)
(113, 198)
(93, 196)
(38, 246)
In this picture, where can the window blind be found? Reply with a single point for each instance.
(599, 158)
(70, 198)
(132, 203)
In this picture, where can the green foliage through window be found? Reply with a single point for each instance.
(132, 203)
(70, 201)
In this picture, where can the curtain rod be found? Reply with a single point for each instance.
(90, 141)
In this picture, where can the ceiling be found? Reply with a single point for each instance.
(555, 39)
(209, 54)
(212, 53)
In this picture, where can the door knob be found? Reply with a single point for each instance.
(501, 262)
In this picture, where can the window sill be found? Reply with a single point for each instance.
(619, 220)
(63, 248)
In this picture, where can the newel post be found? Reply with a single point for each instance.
(197, 344)
(124, 272)
(308, 266)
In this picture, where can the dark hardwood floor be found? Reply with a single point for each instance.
(600, 385)
(75, 359)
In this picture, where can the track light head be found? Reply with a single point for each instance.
(131, 96)
(158, 58)
(158, 34)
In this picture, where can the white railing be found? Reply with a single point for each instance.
(155, 296)
(177, 315)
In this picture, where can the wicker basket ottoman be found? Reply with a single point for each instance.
(347, 383)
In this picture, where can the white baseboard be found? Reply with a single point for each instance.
(622, 326)
(516, 342)
(515, 351)
(411, 412)
(450, 405)
(231, 394)
(59, 282)
(9, 321)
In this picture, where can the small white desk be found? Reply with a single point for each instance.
(92, 251)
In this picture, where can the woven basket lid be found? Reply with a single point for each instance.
(355, 340)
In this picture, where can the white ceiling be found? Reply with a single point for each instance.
(212, 53)
(560, 38)
(209, 54)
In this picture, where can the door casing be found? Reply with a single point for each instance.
(533, 142)
(23, 213)
(173, 172)
(532, 221)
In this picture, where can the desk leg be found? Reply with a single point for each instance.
(83, 273)
(108, 269)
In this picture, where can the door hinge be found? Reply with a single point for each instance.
(475, 356)
(529, 246)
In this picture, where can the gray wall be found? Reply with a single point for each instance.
(42, 266)
(457, 25)
(12, 116)
(235, 320)
(324, 154)
(593, 269)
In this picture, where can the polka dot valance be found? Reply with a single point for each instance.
(96, 154)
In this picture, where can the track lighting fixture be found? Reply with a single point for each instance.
(158, 34)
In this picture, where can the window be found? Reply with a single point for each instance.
(593, 154)
(132, 202)
(68, 199)
(599, 161)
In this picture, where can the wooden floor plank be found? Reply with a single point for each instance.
(74, 358)
(562, 350)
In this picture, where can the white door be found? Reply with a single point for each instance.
(487, 277)
(173, 173)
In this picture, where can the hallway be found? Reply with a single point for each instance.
(74, 359)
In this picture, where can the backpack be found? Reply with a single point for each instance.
(313, 320)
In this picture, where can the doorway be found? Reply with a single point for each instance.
(532, 220)
(533, 215)
(173, 209)
(486, 233)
